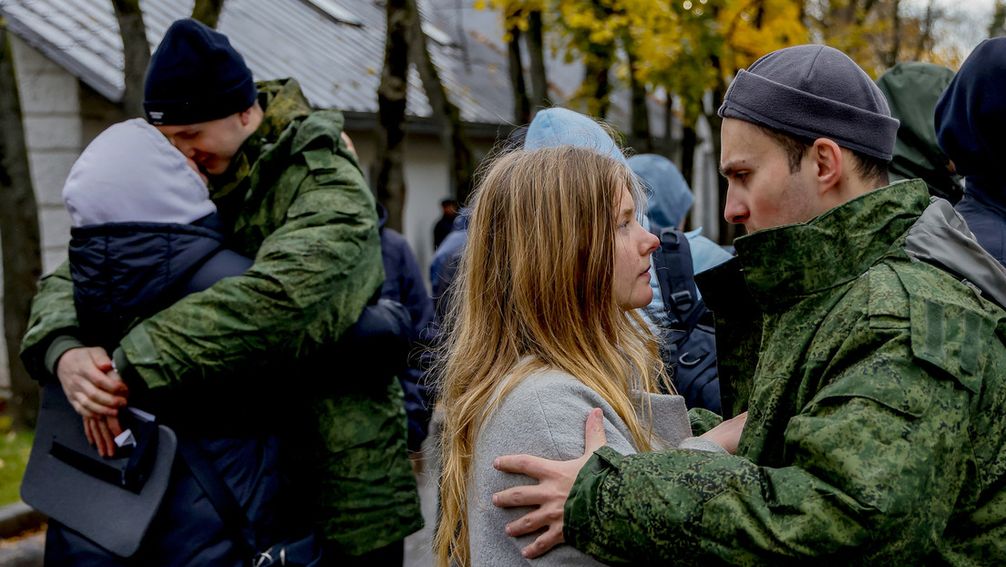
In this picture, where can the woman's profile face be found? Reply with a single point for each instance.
(633, 246)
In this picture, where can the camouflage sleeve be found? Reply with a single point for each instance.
(52, 315)
(310, 281)
(702, 420)
(877, 460)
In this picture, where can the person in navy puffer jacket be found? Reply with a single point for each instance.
(145, 234)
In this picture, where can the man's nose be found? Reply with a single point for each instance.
(735, 211)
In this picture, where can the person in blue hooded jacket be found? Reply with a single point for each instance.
(970, 118)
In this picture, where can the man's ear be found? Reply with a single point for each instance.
(829, 163)
(245, 116)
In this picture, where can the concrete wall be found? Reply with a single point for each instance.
(51, 107)
(53, 130)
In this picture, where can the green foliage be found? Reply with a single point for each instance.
(684, 47)
(14, 449)
(997, 27)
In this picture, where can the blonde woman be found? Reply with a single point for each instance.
(542, 329)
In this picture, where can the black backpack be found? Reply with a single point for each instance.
(689, 347)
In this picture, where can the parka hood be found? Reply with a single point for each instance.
(132, 173)
(668, 197)
(912, 91)
(941, 237)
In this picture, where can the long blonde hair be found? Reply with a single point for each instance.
(535, 284)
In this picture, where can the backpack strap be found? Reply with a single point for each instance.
(673, 263)
(219, 494)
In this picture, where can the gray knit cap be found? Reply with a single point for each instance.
(814, 91)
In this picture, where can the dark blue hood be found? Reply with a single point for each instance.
(971, 115)
(970, 124)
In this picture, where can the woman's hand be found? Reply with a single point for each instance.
(101, 433)
(728, 433)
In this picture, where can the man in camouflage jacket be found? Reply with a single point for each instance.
(254, 352)
(877, 396)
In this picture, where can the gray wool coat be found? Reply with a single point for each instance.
(544, 415)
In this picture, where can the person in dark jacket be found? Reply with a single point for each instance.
(970, 118)
(403, 283)
(912, 90)
(446, 222)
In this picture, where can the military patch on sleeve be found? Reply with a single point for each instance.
(322, 165)
(950, 337)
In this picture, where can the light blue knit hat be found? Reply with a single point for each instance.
(562, 127)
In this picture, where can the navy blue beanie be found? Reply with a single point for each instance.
(814, 91)
(971, 114)
(196, 76)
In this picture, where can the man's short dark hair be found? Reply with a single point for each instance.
(867, 167)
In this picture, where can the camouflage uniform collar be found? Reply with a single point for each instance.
(783, 264)
(283, 102)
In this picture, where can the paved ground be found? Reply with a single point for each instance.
(25, 552)
(418, 546)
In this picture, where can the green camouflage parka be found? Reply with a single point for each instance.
(877, 409)
(254, 352)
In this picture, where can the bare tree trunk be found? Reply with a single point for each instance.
(892, 55)
(689, 141)
(208, 11)
(926, 33)
(135, 51)
(451, 134)
(391, 99)
(521, 103)
(536, 54)
(19, 234)
(640, 137)
(596, 73)
(668, 140)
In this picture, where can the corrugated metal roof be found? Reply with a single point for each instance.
(338, 64)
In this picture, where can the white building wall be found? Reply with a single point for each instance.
(50, 102)
(426, 183)
(706, 210)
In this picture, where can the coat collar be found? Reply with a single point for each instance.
(781, 265)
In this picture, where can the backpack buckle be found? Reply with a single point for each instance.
(682, 299)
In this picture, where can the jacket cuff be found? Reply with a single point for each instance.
(583, 497)
(126, 371)
(702, 420)
(57, 348)
(699, 444)
(140, 357)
